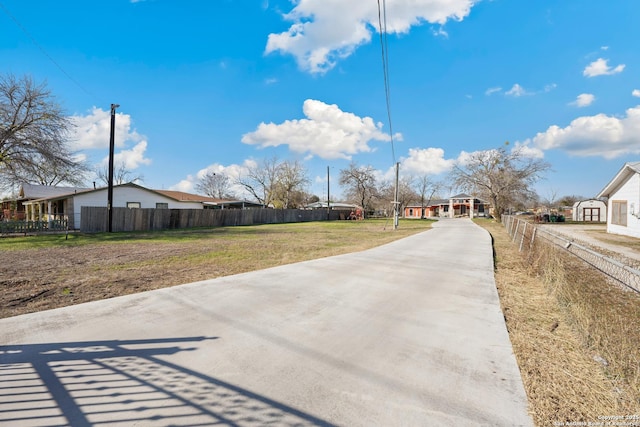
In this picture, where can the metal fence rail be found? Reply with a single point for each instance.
(525, 234)
(18, 227)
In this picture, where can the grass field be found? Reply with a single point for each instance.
(576, 339)
(50, 271)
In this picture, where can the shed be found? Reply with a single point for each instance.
(592, 210)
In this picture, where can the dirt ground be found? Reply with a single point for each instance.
(34, 280)
(39, 279)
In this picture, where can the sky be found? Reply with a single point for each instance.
(222, 85)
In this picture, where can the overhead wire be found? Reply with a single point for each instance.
(44, 52)
(382, 26)
(382, 29)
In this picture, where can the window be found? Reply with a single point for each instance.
(162, 205)
(133, 205)
(619, 212)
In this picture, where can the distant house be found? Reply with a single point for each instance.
(454, 206)
(336, 206)
(15, 208)
(623, 204)
(67, 205)
(592, 210)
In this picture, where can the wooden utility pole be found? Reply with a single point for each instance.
(111, 150)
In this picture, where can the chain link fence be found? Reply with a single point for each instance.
(525, 233)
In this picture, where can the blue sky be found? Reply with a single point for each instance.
(216, 85)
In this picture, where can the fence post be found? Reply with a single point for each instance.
(533, 237)
(524, 231)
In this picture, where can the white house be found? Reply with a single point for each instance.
(591, 210)
(68, 206)
(623, 206)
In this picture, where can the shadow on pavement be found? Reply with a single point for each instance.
(121, 383)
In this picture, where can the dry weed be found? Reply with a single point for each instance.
(547, 313)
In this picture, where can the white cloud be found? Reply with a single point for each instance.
(516, 91)
(132, 158)
(492, 90)
(584, 100)
(528, 151)
(93, 132)
(327, 132)
(324, 31)
(636, 93)
(599, 135)
(186, 185)
(426, 161)
(600, 67)
(233, 171)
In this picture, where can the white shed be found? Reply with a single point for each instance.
(623, 206)
(592, 210)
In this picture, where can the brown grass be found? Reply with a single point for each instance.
(44, 272)
(576, 337)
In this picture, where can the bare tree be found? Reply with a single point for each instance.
(359, 183)
(51, 173)
(260, 180)
(121, 174)
(386, 193)
(33, 136)
(499, 176)
(290, 184)
(426, 188)
(216, 185)
(280, 184)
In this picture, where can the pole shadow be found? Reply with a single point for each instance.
(124, 383)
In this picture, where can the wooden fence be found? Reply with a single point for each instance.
(95, 219)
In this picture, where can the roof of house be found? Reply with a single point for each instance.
(442, 202)
(334, 205)
(181, 196)
(579, 202)
(627, 171)
(461, 196)
(52, 193)
(33, 191)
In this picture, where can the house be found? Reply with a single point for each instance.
(623, 204)
(592, 210)
(15, 208)
(454, 206)
(67, 205)
(335, 206)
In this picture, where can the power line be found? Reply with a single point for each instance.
(382, 27)
(43, 51)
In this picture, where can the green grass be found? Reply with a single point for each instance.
(346, 229)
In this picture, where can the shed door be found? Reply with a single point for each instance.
(592, 214)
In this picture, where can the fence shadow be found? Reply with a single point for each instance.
(122, 383)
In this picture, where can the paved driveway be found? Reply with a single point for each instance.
(407, 334)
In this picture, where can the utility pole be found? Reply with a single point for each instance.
(396, 203)
(111, 150)
(328, 197)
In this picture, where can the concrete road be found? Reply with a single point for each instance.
(407, 334)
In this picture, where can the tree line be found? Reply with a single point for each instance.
(34, 148)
